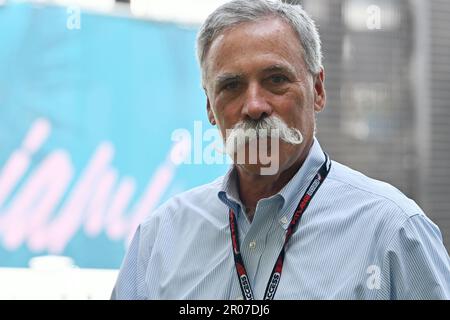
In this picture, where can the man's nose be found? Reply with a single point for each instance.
(255, 104)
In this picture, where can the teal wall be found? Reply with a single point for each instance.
(115, 89)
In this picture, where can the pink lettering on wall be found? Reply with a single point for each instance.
(42, 212)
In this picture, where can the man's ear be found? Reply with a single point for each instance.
(211, 117)
(319, 91)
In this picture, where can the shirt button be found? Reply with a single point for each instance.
(284, 220)
(252, 245)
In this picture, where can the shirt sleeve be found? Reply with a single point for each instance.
(126, 287)
(417, 265)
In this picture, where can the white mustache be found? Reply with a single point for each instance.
(269, 127)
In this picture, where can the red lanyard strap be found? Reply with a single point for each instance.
(275, 276)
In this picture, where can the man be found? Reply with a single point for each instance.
(313, 229)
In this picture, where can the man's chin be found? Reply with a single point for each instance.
(258, 162)
(259, 169)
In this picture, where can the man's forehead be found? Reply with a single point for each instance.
(272, 29)
(240, 43)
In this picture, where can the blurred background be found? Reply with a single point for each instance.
(91, 92)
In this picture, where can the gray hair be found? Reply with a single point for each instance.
(240, 11)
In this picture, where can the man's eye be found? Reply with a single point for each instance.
(278, 79)
(231, 85)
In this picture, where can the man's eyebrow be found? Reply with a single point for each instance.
(279, 68)
(227, 77)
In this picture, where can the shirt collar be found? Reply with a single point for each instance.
(228, 192)
(304, 175)
(289, 194)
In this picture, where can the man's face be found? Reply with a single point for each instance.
(255, 70)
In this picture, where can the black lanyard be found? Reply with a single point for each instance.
(275, 276)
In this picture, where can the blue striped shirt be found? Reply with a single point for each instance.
(358, 239)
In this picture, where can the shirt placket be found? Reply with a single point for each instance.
(253, 245)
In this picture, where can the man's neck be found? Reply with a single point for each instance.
(254, 187)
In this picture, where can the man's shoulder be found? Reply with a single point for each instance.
(380, 194)
(200, 194)
(201, 199)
